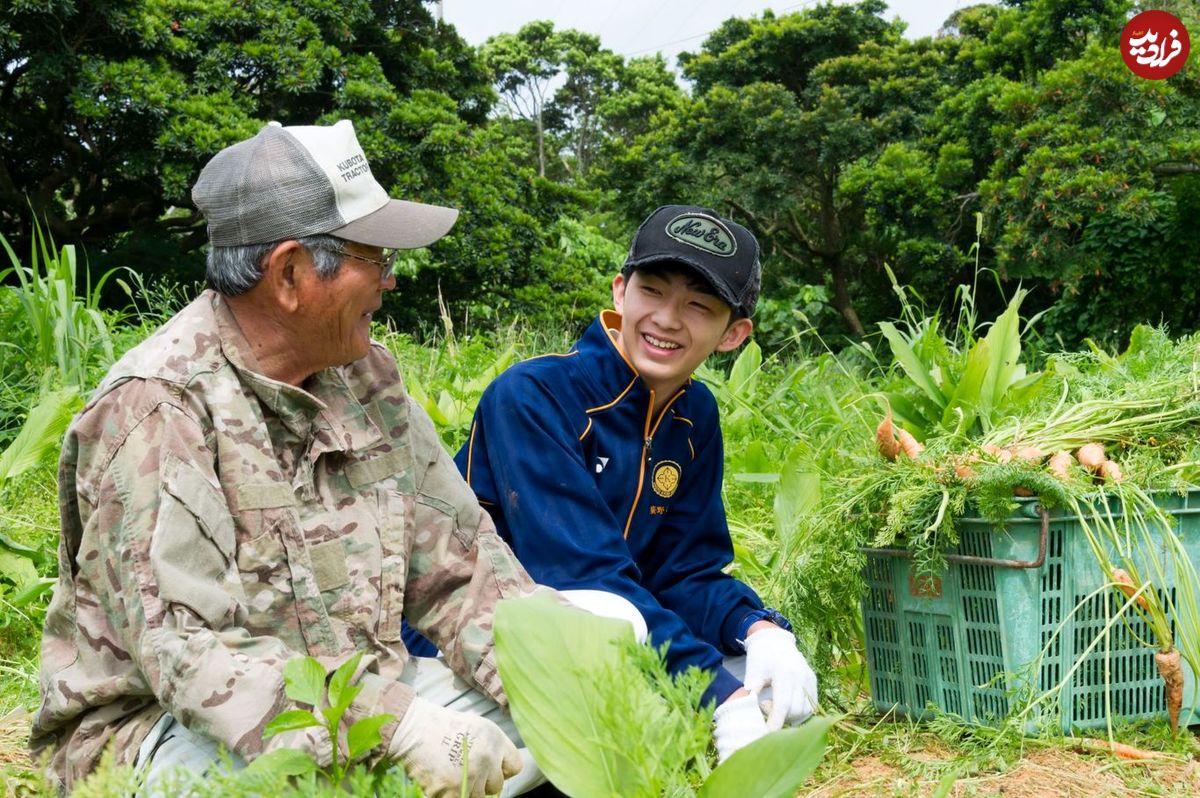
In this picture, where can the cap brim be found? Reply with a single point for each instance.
(400, 225)
(709, 277)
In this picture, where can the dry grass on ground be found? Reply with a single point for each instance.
(1049, 772)
(1042, 774)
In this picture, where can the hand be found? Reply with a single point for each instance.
(429, 742)
(772, 658)
(737, 723)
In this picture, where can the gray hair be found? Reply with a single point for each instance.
(235, 270)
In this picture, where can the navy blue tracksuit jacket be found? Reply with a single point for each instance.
(592, 491)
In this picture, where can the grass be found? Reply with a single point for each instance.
(792, 421)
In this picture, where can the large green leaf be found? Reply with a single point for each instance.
(364, 734)
(774, 766)
(1004, 350)
(290, 720)
(917, 370)
(18, 569)
(965, 397)
(284, 761)
(545, 653)
(42, 432)
(743, 377)
(798, 493)
(304, 680)
(341, 691)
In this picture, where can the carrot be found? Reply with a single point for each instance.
(1001, 455)
(1172, 674)
(1121, 750)
(1060, 465)
(910, 447)
(885, 440)
(1091, 456)
(1111, 471)
(1125, 585)
(1030, 454)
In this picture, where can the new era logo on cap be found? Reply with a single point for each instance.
(703, 232)
(724, 252)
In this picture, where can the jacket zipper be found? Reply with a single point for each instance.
(647, 442)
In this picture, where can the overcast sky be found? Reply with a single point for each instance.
(641, 27)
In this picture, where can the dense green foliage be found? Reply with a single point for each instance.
(859, 158)
(843, 145)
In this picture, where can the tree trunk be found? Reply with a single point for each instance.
(841, 296)
(541, 141)
(833, 245)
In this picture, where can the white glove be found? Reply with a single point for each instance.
(737, 723)
(772, 658)
(429, 744)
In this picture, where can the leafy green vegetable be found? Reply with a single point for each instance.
(602, 716)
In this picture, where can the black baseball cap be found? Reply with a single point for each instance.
(724, 252)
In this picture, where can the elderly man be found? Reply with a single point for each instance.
(252, 484)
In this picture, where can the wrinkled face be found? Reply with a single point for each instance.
(669, 326)
(339, 309)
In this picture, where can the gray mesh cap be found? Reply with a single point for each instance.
(290, 182)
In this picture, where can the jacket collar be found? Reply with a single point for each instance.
(329, 402)
(608, 367)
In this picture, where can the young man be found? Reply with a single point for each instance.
(602, 467)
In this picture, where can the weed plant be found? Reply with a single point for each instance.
(67, 327)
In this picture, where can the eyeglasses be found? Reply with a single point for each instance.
(386, 264)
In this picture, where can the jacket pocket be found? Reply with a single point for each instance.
(266, 580)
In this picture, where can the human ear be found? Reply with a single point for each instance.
(283, 271)
(735, 335)
(618, 292)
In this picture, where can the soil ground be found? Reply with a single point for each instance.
(916, 767)
(1062, 773)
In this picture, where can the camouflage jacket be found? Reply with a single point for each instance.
(217, 523)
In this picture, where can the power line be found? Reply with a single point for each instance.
(706, 33)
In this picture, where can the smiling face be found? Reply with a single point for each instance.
(670, 324)
(337, 324)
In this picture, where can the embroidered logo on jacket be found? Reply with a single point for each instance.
(601, 462)
(702, 232)
(666, 478)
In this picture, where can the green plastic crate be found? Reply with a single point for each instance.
(967, 642)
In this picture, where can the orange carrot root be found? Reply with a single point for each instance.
(1172, 674)
(1004, 455)
(910, 447)
(1111, 471)
(885, 439)
(1060, 465)
(1090, 744)
(1125, 585)
(1030, 454)
(1091, 456)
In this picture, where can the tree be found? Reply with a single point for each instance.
(592, 75)
(1093, 191)
(784, 107)
(1032, 35)
(108, 110)
(523, 66)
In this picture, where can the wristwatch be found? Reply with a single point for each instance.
(765, 614)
